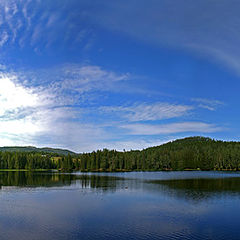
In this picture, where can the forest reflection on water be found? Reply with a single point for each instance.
(53, 179)
(200, 188)
(196, 189)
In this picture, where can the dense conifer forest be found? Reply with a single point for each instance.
(184, 154)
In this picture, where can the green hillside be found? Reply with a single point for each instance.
(35, 149)
(183, 154)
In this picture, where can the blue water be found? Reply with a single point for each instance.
(141, 205)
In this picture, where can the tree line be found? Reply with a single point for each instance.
(188, 153)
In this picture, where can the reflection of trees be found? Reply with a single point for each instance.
(29, 179)
(198, 189)
(106, 183)
(50, 179)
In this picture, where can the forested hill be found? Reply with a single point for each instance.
(35, 149)
(183, 154)
(188, 153)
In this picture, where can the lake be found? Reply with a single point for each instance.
(134, 205)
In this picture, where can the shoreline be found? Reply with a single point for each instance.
(117, 171)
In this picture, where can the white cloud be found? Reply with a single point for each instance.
(209, 104)
(87, 78)
(4, 37)
(17, 105)
(146, 112)
(71, 84)
(40, 23)
(40, 115)
(13, 95)
(171, 128)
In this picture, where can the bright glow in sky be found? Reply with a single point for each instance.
(128, 74)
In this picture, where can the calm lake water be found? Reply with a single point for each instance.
(140, 205)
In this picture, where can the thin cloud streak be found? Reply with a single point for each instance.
(172, 128)
(149, 112)
(209, 104)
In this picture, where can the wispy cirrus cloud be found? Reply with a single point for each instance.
(209, 104)
(149, 112)
(4, 37)
(162, 129)
(40, 23)
(71, 84)
(87, 78)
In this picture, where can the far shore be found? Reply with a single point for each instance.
(116, 171)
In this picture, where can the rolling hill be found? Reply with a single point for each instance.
(35, 149)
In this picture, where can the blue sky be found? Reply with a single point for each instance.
(129, 74)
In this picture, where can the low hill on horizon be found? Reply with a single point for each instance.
(36, 149)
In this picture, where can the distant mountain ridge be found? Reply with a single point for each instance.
(35, 149)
